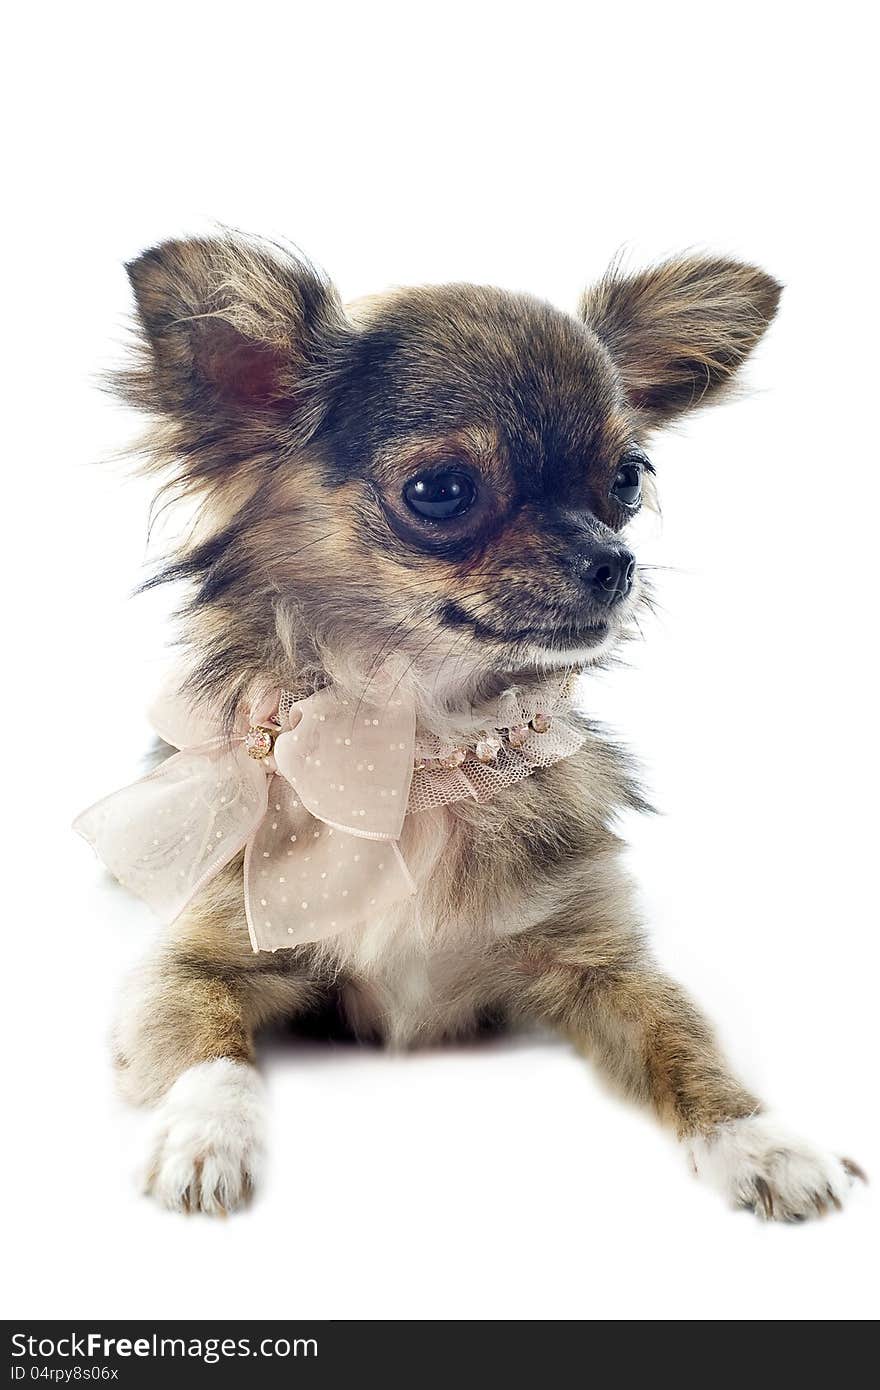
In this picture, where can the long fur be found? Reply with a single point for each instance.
(292, 427)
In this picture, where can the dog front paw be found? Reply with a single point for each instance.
(207, 1139)
(774, 1174)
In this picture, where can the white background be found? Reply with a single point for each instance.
(522, 145)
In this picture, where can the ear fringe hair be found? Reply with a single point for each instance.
(679, 331)
(276, 310)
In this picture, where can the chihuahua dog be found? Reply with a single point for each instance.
(414, 509)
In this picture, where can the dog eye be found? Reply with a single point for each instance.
(627, 486)
(440, 496)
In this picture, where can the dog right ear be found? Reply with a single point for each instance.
(235, 334)
(680, 331)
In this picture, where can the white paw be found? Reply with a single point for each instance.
(758, 1165)
(207, 1139)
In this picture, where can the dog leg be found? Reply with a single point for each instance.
(184, 1044)
(649, 1039)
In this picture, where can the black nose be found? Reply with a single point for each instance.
(609, 574)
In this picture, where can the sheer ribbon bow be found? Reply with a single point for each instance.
(315, 793)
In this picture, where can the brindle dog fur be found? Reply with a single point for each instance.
(291, 428)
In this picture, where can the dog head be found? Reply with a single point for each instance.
(444, 474)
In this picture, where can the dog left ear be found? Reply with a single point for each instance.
(236, 334)
(680, 331)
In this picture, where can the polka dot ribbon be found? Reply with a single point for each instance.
(314, 791)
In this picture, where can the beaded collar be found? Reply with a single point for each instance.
(316, 792)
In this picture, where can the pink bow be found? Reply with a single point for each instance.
(317, 804)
